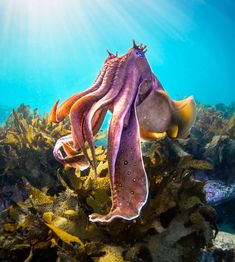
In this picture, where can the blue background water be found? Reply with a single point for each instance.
(50, 49)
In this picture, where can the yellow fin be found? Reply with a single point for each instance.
(145, 134)
(185, 108)
(185, 114)
(173, 132)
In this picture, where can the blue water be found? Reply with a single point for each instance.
(50, 49)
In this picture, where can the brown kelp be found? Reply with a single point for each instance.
(47, 216)
(213, 139)
(26, 142)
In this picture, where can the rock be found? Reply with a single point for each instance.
(225, 241)
(218, 192)
(223, 250)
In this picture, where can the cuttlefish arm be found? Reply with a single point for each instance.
(66, 155)
(129, 184)
(64, 151)
(57, 114)
(159, 116)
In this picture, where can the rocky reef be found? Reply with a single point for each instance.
(44, 206)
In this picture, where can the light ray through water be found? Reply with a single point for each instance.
(54, 48)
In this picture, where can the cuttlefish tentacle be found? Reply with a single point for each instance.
(72, 158)
(121, 107)
(97, 121)
(130, 184)
(59, 113)
(104, 102)
(82, 106)
(122, 104)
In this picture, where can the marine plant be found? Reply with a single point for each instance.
(213, 139)
(25, 150)
(51, 222)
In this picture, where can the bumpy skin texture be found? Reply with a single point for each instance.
(140, 108)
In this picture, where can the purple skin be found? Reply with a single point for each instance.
(123, 85)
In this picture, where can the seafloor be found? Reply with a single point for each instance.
(189, 216)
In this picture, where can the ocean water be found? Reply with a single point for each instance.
(51, 49)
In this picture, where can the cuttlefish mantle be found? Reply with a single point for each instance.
(141, 109)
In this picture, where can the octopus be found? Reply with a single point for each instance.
(141, 109)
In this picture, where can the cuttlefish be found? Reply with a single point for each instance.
(140, 107)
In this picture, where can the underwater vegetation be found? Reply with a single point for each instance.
(127, 87)
(28, 138)
(213, 139)
(45, 206)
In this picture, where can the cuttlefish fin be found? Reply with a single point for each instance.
(173, 131)
(184, 115)
(158, 115)
(147, 135)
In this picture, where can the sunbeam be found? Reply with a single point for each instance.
(56, 47)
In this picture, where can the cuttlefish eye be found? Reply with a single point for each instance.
(139, 53)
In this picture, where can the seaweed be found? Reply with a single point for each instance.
(26, 147)
(47, 216)
(213, 139)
